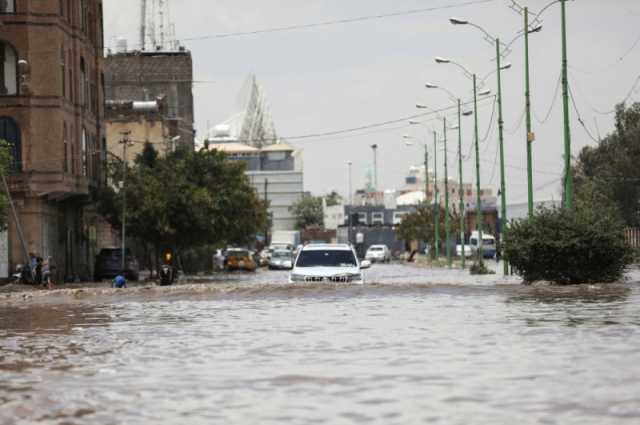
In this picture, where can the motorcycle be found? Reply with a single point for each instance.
(166, 275)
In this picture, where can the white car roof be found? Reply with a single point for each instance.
(328, 246)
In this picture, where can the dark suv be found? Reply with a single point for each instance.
(109, 264)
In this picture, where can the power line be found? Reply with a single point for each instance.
(553, 104)
(580, 120)
(336, 22)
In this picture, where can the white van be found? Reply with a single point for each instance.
(488, 244)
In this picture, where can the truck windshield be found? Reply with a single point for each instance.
(328, 258)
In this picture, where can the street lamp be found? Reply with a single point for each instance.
(499, 68)
(349, 223)
(461, 183)
(477, 150)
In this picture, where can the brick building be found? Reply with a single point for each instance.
(51, 108)
(147, 76)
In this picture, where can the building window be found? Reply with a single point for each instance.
(83, 153)
(70, 58)
(10, 132)
(8, 70)
(83, 76)
(398, 216)
(7, 6)
(65, 141)
(63, 72)
(377, 218)
(362, 218)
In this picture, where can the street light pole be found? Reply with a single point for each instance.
(125, 143)
(426, 173)
(568, 173)
(503, 189)
(375, 167)
(350, 205)
(527, 96)
(460, 190)
(477, 148)
(446, 197)
(436, 202)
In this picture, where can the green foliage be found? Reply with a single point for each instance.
(584, 245)
(608, 174)
(333, 199)
(480, 268)
(148, 157)
(420, 225)
(308, 212)
(185, 200)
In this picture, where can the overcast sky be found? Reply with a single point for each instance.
(355, 74)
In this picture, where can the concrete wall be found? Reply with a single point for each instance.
(285, 188)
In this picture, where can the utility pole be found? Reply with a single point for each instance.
(426, 173)
(568, 173)
(125, 142)
(477, 143)
(503, 189)
(349, 222)
(266, 203)
(18, 226)
(436, 202)
(446, 197)
(527, 95)
(143, 23)
(375, 167)
(460, 189)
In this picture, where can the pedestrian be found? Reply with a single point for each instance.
(38, 271)
(119, 282)
(49, 272)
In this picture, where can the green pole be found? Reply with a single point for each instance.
(503, 188)
(568, 173)
(426, 173)
(460, 189)
(527, 95)
(477, 142)
(436, 203)
(446, 198)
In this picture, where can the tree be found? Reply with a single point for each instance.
(420, 225)
(333, 199)
(308, 212)
(185, 200)
(608, 173)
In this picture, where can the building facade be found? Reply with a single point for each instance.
(51, 109)
(147, 76)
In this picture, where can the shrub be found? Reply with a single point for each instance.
(479, 268)
(584, 245)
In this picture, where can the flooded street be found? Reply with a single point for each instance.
(410, 346)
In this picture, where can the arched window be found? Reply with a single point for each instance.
(8, 70)
(8, 6)
(10, 132)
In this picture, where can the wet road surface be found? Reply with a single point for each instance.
(410, 346)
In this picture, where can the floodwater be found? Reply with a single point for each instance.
(413, 346)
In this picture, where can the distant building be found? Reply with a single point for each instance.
(150, 75)
(274, 168)
(140, 122)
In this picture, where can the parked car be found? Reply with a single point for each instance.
(109, 264)
(488, 244)
(468, 252)
(335, 263)
(378, 254)
(281, 259)
(240, 259)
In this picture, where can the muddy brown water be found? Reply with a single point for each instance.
(412, 346)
